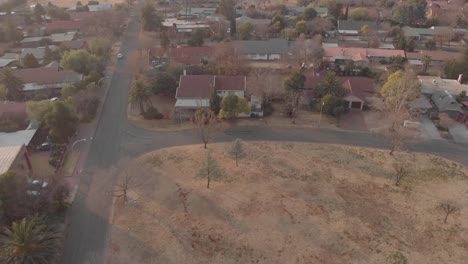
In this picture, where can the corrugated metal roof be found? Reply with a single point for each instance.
(7, 157)
(17, 138)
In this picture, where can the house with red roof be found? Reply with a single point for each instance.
(194, 91)
(47, 80)
(360, 57)
(438, 57)
(64, 26)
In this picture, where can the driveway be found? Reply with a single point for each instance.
(428, 129)
(354, 121)
(459, 133)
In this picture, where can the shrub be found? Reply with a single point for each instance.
(267, 109)
(152, 113)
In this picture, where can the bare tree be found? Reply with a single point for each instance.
(210, 170)
(307, 51)
(237, 150)
(206, 121)
(183, 194)
(444, 36)
(125, 184)
(265, 83)
(228, 59)
(448, 207)
(401, 171)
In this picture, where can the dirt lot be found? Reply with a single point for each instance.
(292, 203)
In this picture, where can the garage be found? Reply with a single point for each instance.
(357, 105)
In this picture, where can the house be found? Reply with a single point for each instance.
(358, 91)
(437, 57)
(273, 49)
(429, 33)
(184, 26)
(56, 39)
(361, 57)
(195, 91)
(46, 80)
(75, 44)
(191, 55)
(353, 27)
(196, 12)
(420, 105)
(38, 53)
(433, 84)
(253, 21)
(321, 11)
(9, 60)
(64, 26)
(100, 7)
(15, 158)
(445, 102)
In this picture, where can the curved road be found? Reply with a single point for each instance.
(116, 139)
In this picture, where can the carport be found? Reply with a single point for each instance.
(354, 102)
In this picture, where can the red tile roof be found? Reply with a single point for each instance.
(82, 15)
(191, 55)
(13, 109)
(202, 86)
(64, 25)
(361, 87)
(49, 74)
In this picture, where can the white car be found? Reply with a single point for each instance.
(119, 56)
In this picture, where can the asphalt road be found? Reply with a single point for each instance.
(116, 139)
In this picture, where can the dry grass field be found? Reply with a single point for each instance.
(291, 203)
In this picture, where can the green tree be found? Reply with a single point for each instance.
(12, 189)
(50, 56)
(215, 103)
(210, 170)
(430, 44)
(29, 61)
(331, 105)
(79, 61)
(301, 27)
(13, 84)
(100, 47)
(151, 19)
(37, 110)
(68, 90)
(295, 82)
(237, 150)
(165, 83)
(334, 8)
(232, 105)
(330, 85)
(140, 96)
(309, 14)
(426, 61)
(360, 13)
(3, 92)
(164, 38)
(61, 121)
(400, 89)
(196, 39)
(38, 13)
(245, 31)
(29, 241)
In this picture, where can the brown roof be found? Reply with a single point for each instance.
(49, 74)
(191, 55)
(82, 15)
(435, 55)
(64, 25)
(17, 109)
(361, 87)
(230, 82)
(202, 86)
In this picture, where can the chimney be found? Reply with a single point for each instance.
(185, 72)
(460, 78)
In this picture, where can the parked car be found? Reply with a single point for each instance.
(46, 146)
(39, 184)
(119, 56)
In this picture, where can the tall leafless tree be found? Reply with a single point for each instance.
(448, 207)
(125, 184)
(206, 122)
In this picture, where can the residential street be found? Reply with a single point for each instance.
(116, 139)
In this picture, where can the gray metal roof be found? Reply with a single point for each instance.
(17, 138)
(355, 25)
(445, 102)
(272, 46)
